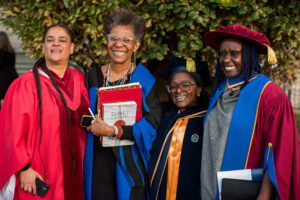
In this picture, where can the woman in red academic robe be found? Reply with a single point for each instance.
(40, 136)
(247, 114)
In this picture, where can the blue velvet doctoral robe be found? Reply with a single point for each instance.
(188, 175)
(130, 170)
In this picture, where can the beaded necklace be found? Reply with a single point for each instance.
(120, 81)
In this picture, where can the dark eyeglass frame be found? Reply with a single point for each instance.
(233, 54)
(174, 87)
(114, 38)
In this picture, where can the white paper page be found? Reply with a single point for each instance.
(244, 174)
(120, 86)
(113, 112)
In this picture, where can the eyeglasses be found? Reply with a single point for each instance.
(183, 85)
(115, 38)
(232, 54)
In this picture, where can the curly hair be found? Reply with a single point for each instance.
(125, 17)
(250, 62)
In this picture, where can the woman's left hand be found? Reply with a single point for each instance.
(266, 188)
(100, 128)
(27, 180)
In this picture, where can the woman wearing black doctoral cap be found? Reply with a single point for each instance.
(176, 154)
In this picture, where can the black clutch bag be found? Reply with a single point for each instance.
(237, 189)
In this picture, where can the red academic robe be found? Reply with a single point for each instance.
(276, 124)
(20, 134)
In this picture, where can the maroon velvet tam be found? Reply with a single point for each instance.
(240, 32)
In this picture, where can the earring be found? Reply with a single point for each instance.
(134, 59)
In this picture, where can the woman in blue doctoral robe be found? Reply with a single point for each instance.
(120, 172)
(174, 167)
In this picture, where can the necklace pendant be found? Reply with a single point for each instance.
(118, 82)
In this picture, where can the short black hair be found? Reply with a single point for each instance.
(125, 17)
(66, 28)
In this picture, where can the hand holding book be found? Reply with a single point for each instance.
(101, 128)
(118, 114)
(120, 103)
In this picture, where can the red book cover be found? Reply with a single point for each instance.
(121, 95)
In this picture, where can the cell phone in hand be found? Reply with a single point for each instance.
(41, 187)
(86, 120)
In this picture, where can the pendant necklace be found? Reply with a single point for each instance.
(120, 81)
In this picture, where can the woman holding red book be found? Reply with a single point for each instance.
(120, 172)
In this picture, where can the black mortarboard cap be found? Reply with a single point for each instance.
(180, 65)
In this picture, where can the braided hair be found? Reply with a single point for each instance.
(42, 63)
(250, 62)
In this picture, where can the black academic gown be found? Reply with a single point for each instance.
(188, 174)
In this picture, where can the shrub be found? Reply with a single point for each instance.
(174, 27)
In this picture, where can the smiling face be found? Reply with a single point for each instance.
(230, 57)
(57, 46)
(183, 90)
(120, 52)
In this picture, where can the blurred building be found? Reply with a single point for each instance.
(292, 89)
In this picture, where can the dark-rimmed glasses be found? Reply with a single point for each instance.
(114, 38)
(233, 54)
(183, 85)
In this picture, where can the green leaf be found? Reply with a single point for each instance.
(173, 27)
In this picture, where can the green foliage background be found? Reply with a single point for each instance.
(174, 27)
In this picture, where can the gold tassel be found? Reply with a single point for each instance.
(190, 65)
(271, 56)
